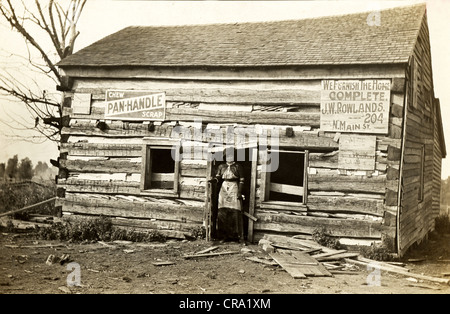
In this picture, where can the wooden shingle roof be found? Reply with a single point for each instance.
(344, 39)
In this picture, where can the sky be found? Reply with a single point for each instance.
(103, 17)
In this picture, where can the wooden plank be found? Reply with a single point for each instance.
(301, 243)
(163, 263)
(314, 270)
(288, 263)
(328, 254)
(262, 261)
(286, 188)
(207, 250)
(399, 272)
(336, 257)
(210, 254)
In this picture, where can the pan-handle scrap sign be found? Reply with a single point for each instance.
(135, 105)
(357, 106)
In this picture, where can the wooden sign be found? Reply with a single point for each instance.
(357, 106)
(357, 152)
(81, 103)
(135, 105)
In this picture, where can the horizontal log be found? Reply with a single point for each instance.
(216, 92)
(188, 169)
(307, 225)
(255, 74)
(156, 224)
(84, 204)
(108, 150)
(279, 118)
(103, 166)
(344, 183)
(322, 160)
(346, 205)
(93, 186)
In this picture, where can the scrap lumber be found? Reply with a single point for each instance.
(207, 250)
(387, 265)
(288, 263)
(343, 272)
(163, 263)
(299, 264)
(262, 261)
(300, 243)
(400, 272)
(336, 257)
(329, 254)
(210, 254)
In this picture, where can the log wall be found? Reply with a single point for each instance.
(102, 167)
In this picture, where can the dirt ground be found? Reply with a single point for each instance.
(128, 269)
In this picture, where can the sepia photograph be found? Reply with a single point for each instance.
(224, 153)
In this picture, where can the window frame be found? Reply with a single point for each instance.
(150, 144)
(265, 181)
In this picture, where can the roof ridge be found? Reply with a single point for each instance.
(279, 21)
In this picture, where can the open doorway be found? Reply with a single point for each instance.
(244, 157)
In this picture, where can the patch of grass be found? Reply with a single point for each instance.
(380, 252)
(95, 229)
(322, 236)
(198, 232)
(442, 224)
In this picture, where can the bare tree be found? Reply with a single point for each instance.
(58, 25)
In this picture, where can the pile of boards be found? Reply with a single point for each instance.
(306, 258)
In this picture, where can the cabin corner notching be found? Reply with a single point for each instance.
(350, 140)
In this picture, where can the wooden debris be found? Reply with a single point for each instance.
(42, 246)
(207, 250)
(386, 265)
(343, 272)
(423, 286)
(396, 264)
(210, 254)
(416, 260)
(328, 254)
(299, 264)
(289, 264)
(336, 257)
(262, 261)
(400, 272)
(163, 263)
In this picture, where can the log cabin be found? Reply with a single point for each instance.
(334, 120)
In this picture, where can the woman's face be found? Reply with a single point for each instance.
(229, 156)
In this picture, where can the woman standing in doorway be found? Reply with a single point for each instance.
(229, 216)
